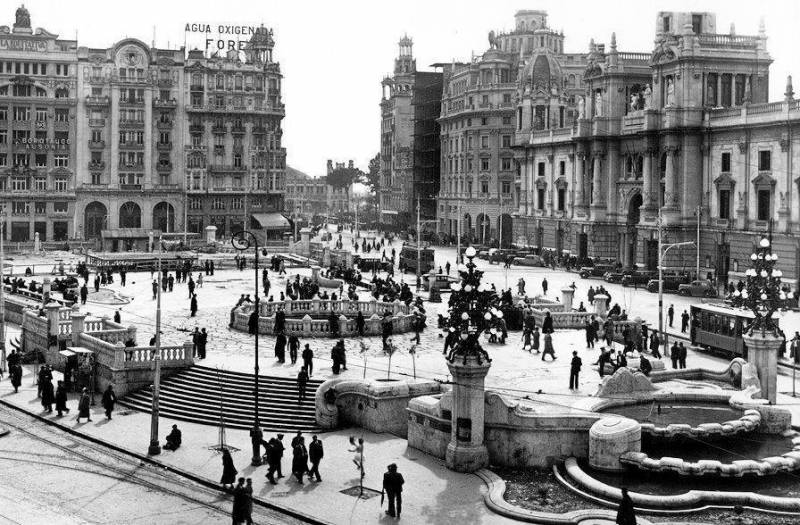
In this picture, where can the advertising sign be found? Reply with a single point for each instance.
(219, 38)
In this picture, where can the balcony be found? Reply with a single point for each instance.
(238, 130)
(224, 168)
(131, 165)
(259, 130)
(97, 144)
(61, 125)
(219, 128)
(165, 104)
(164, 146)
(197, 147)
(98, 100)
(164, 167)
(97, 122)
(97, 166)
(259, 148)
(93, 187)
(131, 145)
(161, 124)
(196, 87)
(165, 82)
(21, 124)
(131, 101)
(196, 128)
(130, 186)
(131, 124)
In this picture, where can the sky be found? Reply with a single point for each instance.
(333, 54)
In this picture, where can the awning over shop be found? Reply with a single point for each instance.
(271, 221)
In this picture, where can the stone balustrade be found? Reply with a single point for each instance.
(307, 326)
(323, 307)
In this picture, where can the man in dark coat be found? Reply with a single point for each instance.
(155, 289)
(195, 341)
(202, 341)
(84, 293)
(333, 323)
(626, 515)
(252, 323)
(315, 454)
(671, 314)
(574, 370)
(681, 355)
(300, 460)
(15, 372)
(117, 317)
(280, 322)
(256, 439)
(393, 486)
(308, 359)
(276, 446)
(239, 510)
(61, 399)
(83, 407)
(674, 355)
(360, 322)
(280, 348)
(547, 323)
(193, 305)
(109, 400)
(48, 396)
(174, 439)
(302, 381)
(684, 321)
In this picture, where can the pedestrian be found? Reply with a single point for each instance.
(333, 324)
(358, 454)
(574, 370)
(199, 279)
(170, 282)
(48, 396)
(239, 501)
(535, 334)
(300, 460)
(211, 267)
(193, 305)
(360, 323)
(605, 357)
(201, 343)
(393, 487)
(794, 348)
(547, 323)
(155, 289)
(109, 400)
(83, 407)
(589, 328)
(123, 275)
(671, 314)
(544, 286)
(684, 321)
(294, 346)
(228, 470)
(526, 340)
(276, 445)
(280, 348)
(44, 376)
(626, 515)
(655, 345)
(173, 439)
(548, 347)
(302, 381)
(61, 399)
(248, 501)
(190, 285)
(447, 267)
(674, 355)
(84, 293)
(308, 359)
(117, 317)
(195, 340)
(681, 356)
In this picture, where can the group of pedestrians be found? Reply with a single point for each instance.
(199, 342)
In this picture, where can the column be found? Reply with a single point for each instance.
(647, 179)
(523, 205)
(669, 179)
(580, 181)
(719, 89)
(466, 451)
(596, 180)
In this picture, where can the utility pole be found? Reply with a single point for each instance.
(419, 244)
(155, 447)
(458, 235)
(697, 241)
(2, 293)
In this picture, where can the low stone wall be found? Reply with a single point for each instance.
(378, 406)
(428, 428)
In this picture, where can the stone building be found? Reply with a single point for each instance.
(482, 104)
(684, 132)
(38, 99)
(409, 154)
(129, 142)
(235, 164)
(309, 196)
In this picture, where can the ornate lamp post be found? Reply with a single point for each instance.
(763, 296)
(242, 241)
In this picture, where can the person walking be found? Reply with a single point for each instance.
(547, 323)
(360, 323)
(239, 502)
(228, 470)
(655, 345)
(84, 293)
(308, 359)
(193, 305)
(195, 340)
(681, 355)
(393, 487)
(61, 399)
(248, 501)
(280, 348)
(83, 407)
(674, 355)
(190, 285)
(670, 314)
(544, 286)
(300, 460)
(333, 324)
(117, 317)
(199, 279)
(589, 328)
(574, 370)
(15, 373)
(315, 454)
(202, 340)
(302, 381)
(684, 321)
(48, 396)
(276, 444)
(294, 346)
(155, 289)
(548, 347)
(535, 335)
(626, 515)
(109, 400)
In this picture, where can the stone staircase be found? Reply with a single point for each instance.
(194, 395)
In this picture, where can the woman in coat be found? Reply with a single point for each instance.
(626, 514)
(299, 461)
(109, 400)
(228, 470)
(15, 371)
(83, 407)
(61, 399)
(48, 396)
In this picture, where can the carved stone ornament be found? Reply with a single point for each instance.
(743, 147)
(784, 145)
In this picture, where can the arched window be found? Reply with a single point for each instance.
(62, 92)
(130, 215)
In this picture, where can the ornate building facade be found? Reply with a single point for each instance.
(409, 172)
(309, 196)
(684, 132)
(38, 99)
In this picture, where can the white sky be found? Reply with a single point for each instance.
(333, 54)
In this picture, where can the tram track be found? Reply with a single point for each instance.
(105, 461)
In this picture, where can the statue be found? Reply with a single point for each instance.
(598, 104)
(670, 93)
(711, 99)
(783, 200)
(648, 97)
(634, 101)
(581, 107)
(23, 18)
(492, 40)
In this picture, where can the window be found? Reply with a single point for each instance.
(505, 187)
(484, 142)
(22, 113)
(164, 137)
(20, 208)
(726, 162)
(40, 208)
(61, 184)
(41, 114)
(764, 197)
(3, 161)
(484, 186)
(724, 204)
(195, 204)
(506, 141)
(697, 24)
(3, 113)
(61, 161)
(197, 140)
(562, 199)
(506, 121)
(40, 183)
(236, 203)
(505, 164)
(562, 168)
(665, 25)
(62, 115)
(60, 207)
(97, 178)
(484, 121)
(540, 169)
(3, 136)
(218, 203)
(764, 160)
(469, 164)
(484, 164)
(540, 199)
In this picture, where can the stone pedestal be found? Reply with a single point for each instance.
(601, 305)
(37, 244)
(567, 295)
(762, 352)
(611, 437)
(466, 451)
(211, 234)
(315, 273)
(326, 257)
(46, 288)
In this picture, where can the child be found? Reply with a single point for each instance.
(536, 339)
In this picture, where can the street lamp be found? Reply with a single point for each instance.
(242, 241)
(155, 448)
(662, 252)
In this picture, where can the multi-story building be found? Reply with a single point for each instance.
(313, 196)
(38, 168)
(339, 197)
(410, 108)
(235, 164)
(129, 143)
(525, 67)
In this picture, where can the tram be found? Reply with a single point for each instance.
(408, 258)
(719, 328)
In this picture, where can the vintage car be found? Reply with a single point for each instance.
(529, 260)
(637, 277)
(699, 288)
(671, 283)
(598, 270)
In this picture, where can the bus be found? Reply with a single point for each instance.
(408, 258)
(719, 328)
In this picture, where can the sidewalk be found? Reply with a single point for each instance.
(432, 493)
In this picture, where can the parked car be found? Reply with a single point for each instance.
(671, 283)
(598, 270)
(529, 260)
(700, 288)
(613, 276)
(500, 256)
(638, 277)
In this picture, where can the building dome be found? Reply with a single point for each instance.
(542, 72)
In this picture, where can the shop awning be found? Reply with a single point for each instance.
(271, 221)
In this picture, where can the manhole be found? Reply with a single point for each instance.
(362, 493)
